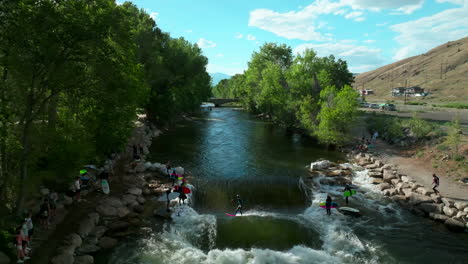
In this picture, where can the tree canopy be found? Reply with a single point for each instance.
(73, 75)
(304, 91)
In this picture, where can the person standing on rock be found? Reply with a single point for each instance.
(374, 137)
(19, 246)
(328, 204)
(435, 183)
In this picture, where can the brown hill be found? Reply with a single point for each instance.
(442, 71)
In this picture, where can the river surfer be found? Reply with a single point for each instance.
(347, 188)
(240, 203)
(328, 204)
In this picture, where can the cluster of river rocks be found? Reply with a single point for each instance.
(120, 214)
(399, 187)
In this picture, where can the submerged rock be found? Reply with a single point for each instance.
(438, 217)
(86, 259)
(454, 225)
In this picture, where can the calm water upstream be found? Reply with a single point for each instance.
(231, 153)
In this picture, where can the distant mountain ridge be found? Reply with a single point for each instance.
(442, 71)
(217, 77)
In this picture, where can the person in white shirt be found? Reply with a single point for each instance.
(77, 188)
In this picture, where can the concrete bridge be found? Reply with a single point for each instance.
(220, 101)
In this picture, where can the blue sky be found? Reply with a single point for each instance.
(366, 33)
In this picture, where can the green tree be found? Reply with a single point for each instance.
(454, 138)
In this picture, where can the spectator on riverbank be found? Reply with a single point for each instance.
(19, 246)
(44, 213)
(435, 183)
(77, 188)
(104, 177)
(374, 137)
(30, 226)
(52, 197)
(25, 236)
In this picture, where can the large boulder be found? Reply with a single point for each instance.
(438, 217)
(423, 191)
(407, 192)
(135, 191)
(107, 211)
(4, 259)
(64, 258)
(454, 225)
(128, 199)
(123, 212)
(430, 208)
(384, 186)
(86, 226)
(110, 207)
(377, 180)
(415, 199)
(448, 202)
(73, 240)
(436, 198)
(141, 200)
(320, 165)
(388, 176)
(405, 179)
(99, 231)
(107, 242)
(449, 211)
(67, 200)
(117, 226)
(374, 174)
(395, 181)
(390, 192)
(460, 205)
(371, 166)
(400, 199)
(180, 170)
(86, 259)
(142, 167)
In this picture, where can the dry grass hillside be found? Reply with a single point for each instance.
(442, 71)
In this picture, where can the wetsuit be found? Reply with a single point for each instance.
(347, 188)
(328, 203)
(240, 203)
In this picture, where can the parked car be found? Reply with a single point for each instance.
(364, 104)
(389, 107)
(374, 106)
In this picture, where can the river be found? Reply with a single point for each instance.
(230, 153)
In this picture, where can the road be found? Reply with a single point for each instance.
(448, 115)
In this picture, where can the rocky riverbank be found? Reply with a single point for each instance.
(100, 221)
(397, 186)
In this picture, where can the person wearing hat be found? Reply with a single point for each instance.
(240, 203)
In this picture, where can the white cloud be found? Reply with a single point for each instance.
(304, 23)
(300, 24)
(406, 6)
(205, 44)
(457, 2)
(250, 37)
(359, 58)
(188, 31)
(154, 15)
(354, 14)
(220, 55)
(382, 24)
(239, 36)
(369, 41)
(420, 35)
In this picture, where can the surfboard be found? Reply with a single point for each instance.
(105, 187)
(230, 214)
(350, 211)
(333, 205)
(348, 193)
(186, 190)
